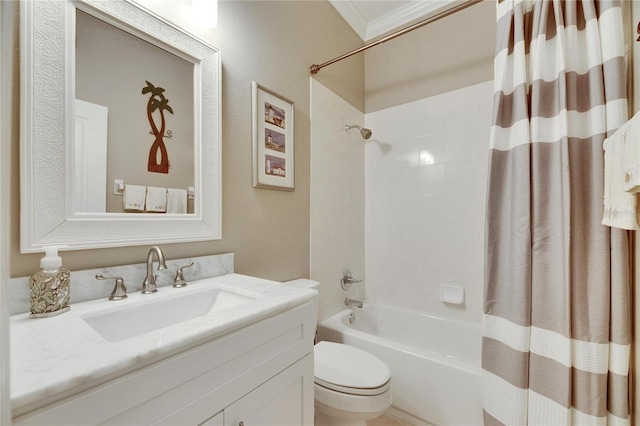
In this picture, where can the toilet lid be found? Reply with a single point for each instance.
(348, 367)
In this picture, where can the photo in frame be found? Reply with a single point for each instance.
(273, 160)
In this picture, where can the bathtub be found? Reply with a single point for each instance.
(435, 363)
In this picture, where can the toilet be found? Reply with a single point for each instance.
(351, 385)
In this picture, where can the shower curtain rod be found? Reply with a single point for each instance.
(315, 68)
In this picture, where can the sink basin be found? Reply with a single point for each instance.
(122, 323)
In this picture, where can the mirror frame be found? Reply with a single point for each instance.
(47, 69)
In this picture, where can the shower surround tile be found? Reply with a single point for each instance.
(336, 199)
(425, 201)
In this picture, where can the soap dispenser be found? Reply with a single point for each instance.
(49, 287)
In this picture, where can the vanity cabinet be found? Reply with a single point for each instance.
(279, 402)
(217, 420)
(259, 374)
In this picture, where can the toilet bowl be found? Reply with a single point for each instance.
(351, 385)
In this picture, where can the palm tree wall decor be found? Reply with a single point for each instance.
(157, 101)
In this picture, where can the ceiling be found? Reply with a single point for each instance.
(373, 18)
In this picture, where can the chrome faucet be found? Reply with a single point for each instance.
(149, 283)
(353, 302)
(347, 280)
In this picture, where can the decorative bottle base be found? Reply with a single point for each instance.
(49, 293)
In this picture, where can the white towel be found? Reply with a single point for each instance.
(631, 155)
(619, 205)
(133, 197)
(176, 200)
(156, 199)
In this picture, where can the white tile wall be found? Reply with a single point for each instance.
(337, 198)
(425, 173)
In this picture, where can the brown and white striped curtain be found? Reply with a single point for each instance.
(556, 326)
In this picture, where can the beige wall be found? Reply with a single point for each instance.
(454, 52)
(273, 43)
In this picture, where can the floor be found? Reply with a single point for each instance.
(387, 421)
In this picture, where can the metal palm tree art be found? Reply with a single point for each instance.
(157, 101)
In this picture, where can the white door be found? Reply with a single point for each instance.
(90, 158)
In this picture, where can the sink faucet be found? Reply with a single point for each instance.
(149, 284)
(353, 302)
(179, 280)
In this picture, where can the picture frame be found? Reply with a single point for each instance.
(273, 141)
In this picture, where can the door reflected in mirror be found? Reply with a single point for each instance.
(134, 121)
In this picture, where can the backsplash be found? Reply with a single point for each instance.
(84, 285)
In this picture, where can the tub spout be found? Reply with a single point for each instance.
(353, 302)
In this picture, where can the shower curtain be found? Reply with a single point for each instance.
(556, 325)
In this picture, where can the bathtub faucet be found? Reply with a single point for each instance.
(347, 279)
(353, 302)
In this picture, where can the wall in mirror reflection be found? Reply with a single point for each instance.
(112, 67)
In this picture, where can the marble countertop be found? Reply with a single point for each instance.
(53, 358)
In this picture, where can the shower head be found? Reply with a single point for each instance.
(364, 132)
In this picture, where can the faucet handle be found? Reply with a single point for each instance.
(179, 280)
(347, 279)
(119, 291)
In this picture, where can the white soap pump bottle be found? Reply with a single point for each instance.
(49, 287)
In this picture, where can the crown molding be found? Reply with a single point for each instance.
(353, 17)
(396, 19)
(402, 16)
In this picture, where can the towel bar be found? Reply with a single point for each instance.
(118, 188)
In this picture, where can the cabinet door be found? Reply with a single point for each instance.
(284, 400)
(216, 420)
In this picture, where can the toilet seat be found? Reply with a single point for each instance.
(349, 370)
(354, 391)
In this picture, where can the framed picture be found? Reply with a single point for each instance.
(273, 166)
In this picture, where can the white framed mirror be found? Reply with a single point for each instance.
(53, 166)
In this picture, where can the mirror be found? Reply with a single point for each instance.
(142, 147)
(160, 109)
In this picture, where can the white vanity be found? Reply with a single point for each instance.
(235, 350)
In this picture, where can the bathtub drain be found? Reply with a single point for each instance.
(352, 318)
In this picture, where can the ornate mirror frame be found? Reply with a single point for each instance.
(47, 126)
